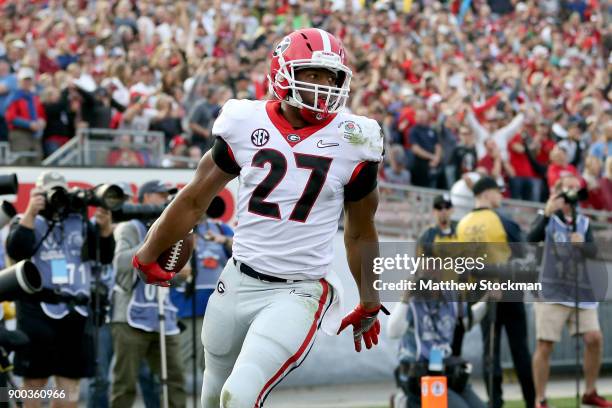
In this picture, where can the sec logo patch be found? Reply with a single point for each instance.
(260, 137)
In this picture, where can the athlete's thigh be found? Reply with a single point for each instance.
(222, 328)
(278, 340)
(223, 331)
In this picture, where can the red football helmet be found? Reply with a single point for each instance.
(310, 48)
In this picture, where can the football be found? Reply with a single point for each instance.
(174, 258)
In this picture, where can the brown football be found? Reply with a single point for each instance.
(174, 258)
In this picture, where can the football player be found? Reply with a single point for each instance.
(300, 160)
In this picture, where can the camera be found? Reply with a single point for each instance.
(148, 213)
(573, 196)
(143, 212)
(20, 280)
(8, 185)
(61, 201)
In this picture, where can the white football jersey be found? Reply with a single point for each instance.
(291, 184)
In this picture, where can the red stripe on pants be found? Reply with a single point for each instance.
(303, 347)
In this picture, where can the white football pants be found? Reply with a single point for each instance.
(255, 333)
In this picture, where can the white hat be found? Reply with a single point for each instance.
(99, 51)
(24, 73)
(86, 83)
(50, 179)
(18, 44)
(520, 7)
(540, 50)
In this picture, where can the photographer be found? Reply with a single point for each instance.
(135, 322)
(426, 327)
(557, 225)
(61, 243)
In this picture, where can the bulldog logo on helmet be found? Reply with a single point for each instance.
(282, 47)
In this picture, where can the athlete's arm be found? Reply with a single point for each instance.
(361, 240)
(188, 207)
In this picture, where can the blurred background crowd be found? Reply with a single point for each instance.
(519, 91)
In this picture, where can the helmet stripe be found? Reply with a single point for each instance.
(326, 41)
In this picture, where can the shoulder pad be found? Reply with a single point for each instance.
(233, 111)
(365, 135)
(238, 108)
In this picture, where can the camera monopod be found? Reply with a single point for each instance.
(162, 292)
(576, 310)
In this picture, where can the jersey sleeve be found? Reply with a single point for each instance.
(370, 145)
(367, 142)
(232, 113)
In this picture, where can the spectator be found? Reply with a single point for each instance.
(524, 183)
(166, 121)
(60, 119)
(445, 57)
(8, 84)
(592, 178)
(496, 130)
(125, 155)
(602, 148)
(448, 132)
(573, 144)
(138, 114)
(491, 164)
(201, 118)
(195, 154)
(178, 153)
(606, 185)
(559, 166)
(97, 104)
(539, 147)
(26, 119)
(396, 172)
(464, 157)
(427, 152)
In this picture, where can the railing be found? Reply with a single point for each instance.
(8, 157)
(170, 160)
(405, 211)
(5, 152)
(101, 147)
(69, 154)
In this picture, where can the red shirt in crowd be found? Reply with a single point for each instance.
(605, 185)
(543, 156)
(519, 161)
(405, 121)
(555, 171)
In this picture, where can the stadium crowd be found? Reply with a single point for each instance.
(519, 91)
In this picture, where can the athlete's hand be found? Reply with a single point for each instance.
(152, 273)
(365, 325)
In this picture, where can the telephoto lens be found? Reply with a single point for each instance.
(7, 212)
(8, 184)
(20, 280)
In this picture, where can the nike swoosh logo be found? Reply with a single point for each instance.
(322, 144)
(293, 292)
